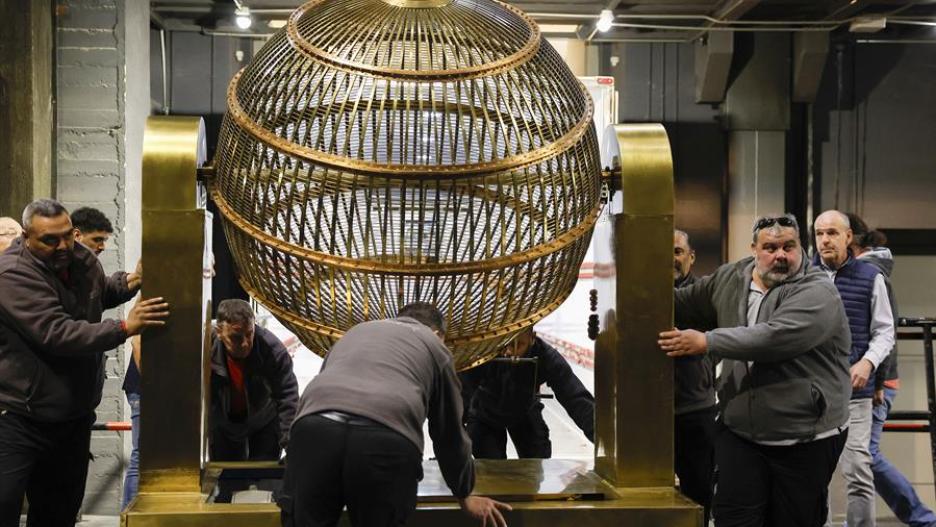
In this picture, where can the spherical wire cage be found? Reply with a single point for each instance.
(379, 152)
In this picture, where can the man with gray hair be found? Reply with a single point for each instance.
(864, 293)
(52, 344)
(782, 334)
(254, 392)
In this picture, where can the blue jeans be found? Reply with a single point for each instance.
(893, 487)
(132, 479)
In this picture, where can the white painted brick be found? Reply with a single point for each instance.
(90, 4)
(89, 150)
(88, 188)
(85, 57)
(83, 17)
(87, 167)
(88, 98)
(86, 38)
(89, 118)
(86, 77)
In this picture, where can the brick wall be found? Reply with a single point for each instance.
(100, 112)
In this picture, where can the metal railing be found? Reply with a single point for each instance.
(925, 333)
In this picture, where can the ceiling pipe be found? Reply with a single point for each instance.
(700, 28)
(893, 41)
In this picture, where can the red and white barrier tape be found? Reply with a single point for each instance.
(581, 355)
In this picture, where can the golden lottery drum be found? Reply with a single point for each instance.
(378, 152)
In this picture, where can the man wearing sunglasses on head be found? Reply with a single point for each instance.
(783, 337)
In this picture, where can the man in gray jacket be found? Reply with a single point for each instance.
(784, 340)
(358, 436)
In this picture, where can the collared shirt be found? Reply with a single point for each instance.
(882, 320)
(755, 298)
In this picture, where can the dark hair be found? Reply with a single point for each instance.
(774, 221)
(863, 235)
(44, 207)
(875, 238)
(426, 313)
(88, 219)
(234, 311)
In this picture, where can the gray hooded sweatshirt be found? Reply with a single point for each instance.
(785, 377)
(882, 258)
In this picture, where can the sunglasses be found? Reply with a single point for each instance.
(782, 221)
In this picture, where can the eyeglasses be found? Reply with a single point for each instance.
(783, 221)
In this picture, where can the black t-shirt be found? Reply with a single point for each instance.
(131, 382)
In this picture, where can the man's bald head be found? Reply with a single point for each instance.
(9, 230)
(833, 236)
(838, 218)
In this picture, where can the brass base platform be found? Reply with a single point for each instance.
(542, 492)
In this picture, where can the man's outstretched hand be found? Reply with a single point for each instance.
(145, 313)
(485, 509)
(682, 342)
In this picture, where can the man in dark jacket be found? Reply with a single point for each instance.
(500, 400)
(92, 228)
(683, 259)
(783, 337)
(694, 430)
(253, 388)
(358, 436)
(52, 344)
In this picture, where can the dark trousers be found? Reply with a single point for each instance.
(229, 444)
(762, 485)
(694, 440)
(370, 468)
(46, 462)
(530, 437)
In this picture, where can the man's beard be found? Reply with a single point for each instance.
(775, 274)
(677, 272)
(60, 261)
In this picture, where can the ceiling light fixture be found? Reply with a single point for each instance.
(867, 24)
(605, 20)
(242, 17)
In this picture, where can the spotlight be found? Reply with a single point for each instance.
(242, 17)
(605, 20)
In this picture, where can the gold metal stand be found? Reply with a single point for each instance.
(629, 484)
